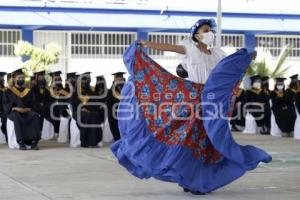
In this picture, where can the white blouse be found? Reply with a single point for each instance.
(198, 64)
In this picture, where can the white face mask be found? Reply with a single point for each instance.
(257, 85)
(279, 87)
(208, 38)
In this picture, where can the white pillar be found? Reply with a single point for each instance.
(219, 25)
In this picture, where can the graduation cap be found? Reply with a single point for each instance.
(18, 72)
(118, 74)
(8, 76)
(294, 77)
(2, 73)
(265, 78)
(40, 73)
(71, 75)
(255, 77)
(56, 73)
(100, 78)
(86, 74)
(280, 79)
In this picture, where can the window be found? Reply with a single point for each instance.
(232, 40)
(100, 44)
(8, 38)
(275, 43)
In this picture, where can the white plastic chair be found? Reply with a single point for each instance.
(297, 127)
(275, 130)
(250, 125)
(74, 135)
(48, 130)
(2, 136)
(11, 135)
(63, 136)
(107, 135)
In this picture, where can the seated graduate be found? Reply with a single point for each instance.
(297, 101)
(71, 86)
(9, 80)
(18, 102)
(101, 86)
(43, 99)
(32, 82)
(61, 99)
(257, 99)
(70, 82)
(2, 113)
(292, 90)
(87, 115)
(297, 98)
(238, 119)
(101, 91)
(285, 115)
(113, 99)
(265, 85)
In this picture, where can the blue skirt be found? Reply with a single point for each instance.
(177, 131)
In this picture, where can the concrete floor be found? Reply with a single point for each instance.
(61, 173)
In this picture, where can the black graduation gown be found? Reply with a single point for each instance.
(297, 100)
(268, 96)
(284, 113)
(2, 113)
(259, 96)
(102, 99)
(112, 114)
(61, 99)
(43, 101)
(89, 136)
(238, 118)
(290, 96)
(26, 124)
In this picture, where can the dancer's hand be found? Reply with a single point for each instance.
(162, 47)
(145, 43)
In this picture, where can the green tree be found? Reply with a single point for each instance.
(264, 66)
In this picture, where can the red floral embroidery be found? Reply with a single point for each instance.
(165, 99)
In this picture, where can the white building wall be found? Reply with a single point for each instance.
(108, 66)
(75, 58)
(8, 64)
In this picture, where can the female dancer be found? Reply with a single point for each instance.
(197, 55)
(176, 130)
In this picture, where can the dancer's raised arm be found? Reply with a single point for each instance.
(173, 48)
(163, 47)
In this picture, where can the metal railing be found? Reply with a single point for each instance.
(275, 44)
(8, 38)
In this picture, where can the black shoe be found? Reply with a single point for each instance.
(34, 147)
(22, 147)
(193, 192)
(197, 193)
(186, 190)
(234, 128)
